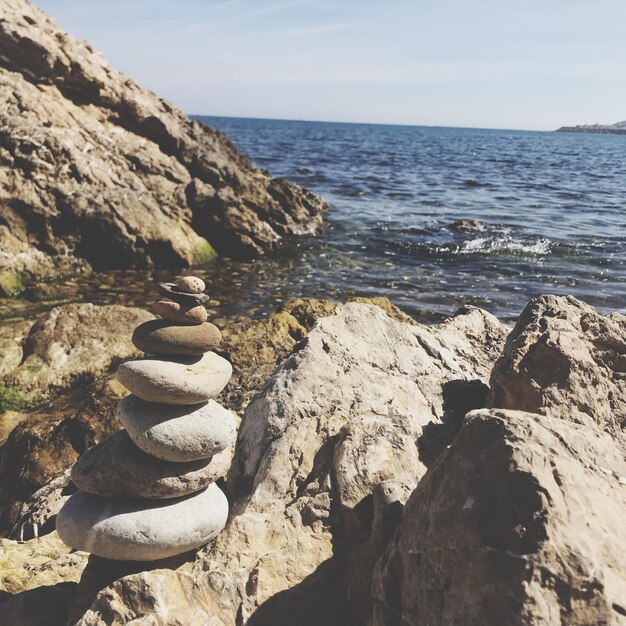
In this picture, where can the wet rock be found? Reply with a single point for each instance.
(185, 381)
(117, 468)
(564, 359)
(175, 433)
(176, 313)
(519, 522)
(134, 530)
(162, 337)
(94, 167)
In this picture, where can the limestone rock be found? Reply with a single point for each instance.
(184, 381)
(41, 561)
(163, 337)
(564, 359)
(175, 433)
(95, 166)
(303, 474)
(520, 522)
(130, 530)
(116, 467)
(72, 343)
(179, 313)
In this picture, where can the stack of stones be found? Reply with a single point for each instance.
(148, 492)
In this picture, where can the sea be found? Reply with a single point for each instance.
(431, 218)
(436, 218)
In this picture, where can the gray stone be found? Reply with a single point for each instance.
(183, 381)
(137, 530)
(176, 433)
(173, 338)
(116, 467)
(173, 292)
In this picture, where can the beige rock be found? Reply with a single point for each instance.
(73, 342)
(564, 359)
(178, 313)
(175, 433)
(191, 284)
(184, 381)
(520, 522)
(116, 467)
(129, 173)
(38, 562)
(163, 337)
(138, 530)
(312, 448)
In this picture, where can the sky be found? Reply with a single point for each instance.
(528, 64)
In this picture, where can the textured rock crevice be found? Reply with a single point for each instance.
(95, 167)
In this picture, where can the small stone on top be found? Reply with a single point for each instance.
(191, 284)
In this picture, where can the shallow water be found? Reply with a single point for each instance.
(549, 209)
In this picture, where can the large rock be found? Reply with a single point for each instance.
(344, 412)
(175, 433)
(116, 467)
(133, 530)
(92, 165)
(70, 345)
(565, 359)
(520, 522)
(185, 381)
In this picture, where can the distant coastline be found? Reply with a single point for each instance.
(611, 129)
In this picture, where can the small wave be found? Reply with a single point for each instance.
(490, 245)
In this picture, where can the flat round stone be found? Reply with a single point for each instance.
(165, 337)
(116, 467)
(181, 381)
(171, 291)
(180, 313)
(191, 284)
(175, 433)
(142, 530)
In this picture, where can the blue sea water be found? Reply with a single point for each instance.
(548, 213)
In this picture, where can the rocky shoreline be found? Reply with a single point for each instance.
(495, 453)
(97, 172)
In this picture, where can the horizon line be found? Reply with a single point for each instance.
(306, 121)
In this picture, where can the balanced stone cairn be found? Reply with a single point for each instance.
(148, 492)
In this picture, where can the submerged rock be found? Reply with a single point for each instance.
(94, 167)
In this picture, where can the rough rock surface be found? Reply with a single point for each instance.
(92, 165)
(48, 442)
(520, 522)
(564, 359)
(132, 530)
(312, 448)
(72, 344)
(116, 467)
(175, 433)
